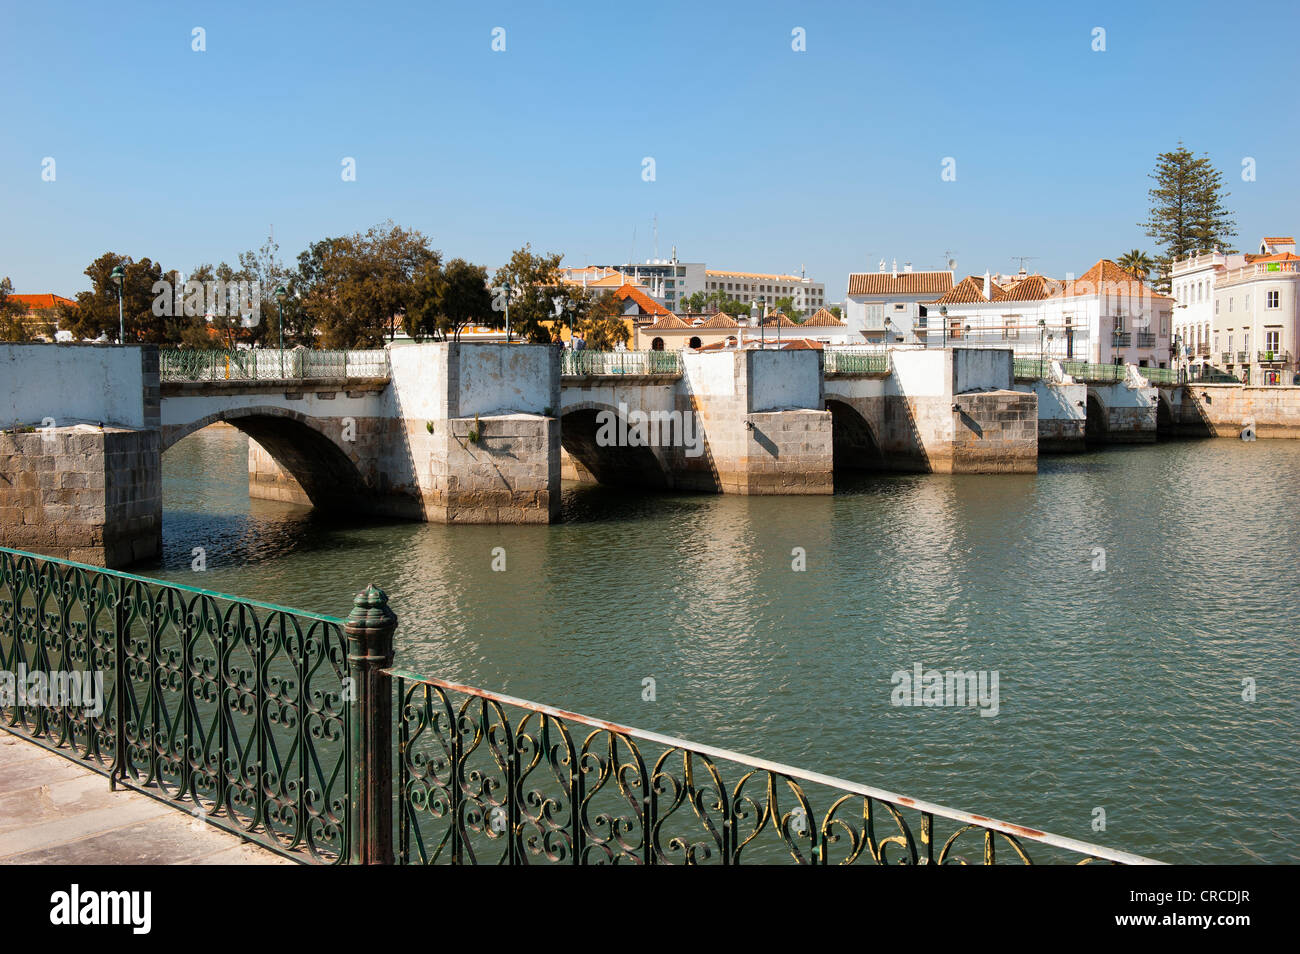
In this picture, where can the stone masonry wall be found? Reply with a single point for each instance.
(83, 494)
(1222, 410)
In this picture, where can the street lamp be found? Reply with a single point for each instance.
(754, 319)
(1042, 331)
(118, 275)
(943, 314)
(280, 295)
(505, 297)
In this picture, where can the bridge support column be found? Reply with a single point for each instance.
(83, 493)
(1062, 416)
(1119, 414)
(764, 426)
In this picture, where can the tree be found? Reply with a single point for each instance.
(533, 282)
(696, 302)
(1187, 212)
(601, 324)
(836, 311)
(358, 289)
(786, 306)
(12, 325)
(1137, 263)
(449, 299)
(265, 268)
(96, 312)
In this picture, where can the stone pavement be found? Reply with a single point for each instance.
(53, 811)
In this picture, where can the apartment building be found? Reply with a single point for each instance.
(1239, 311)
(767, 288)
(1106, 316)
(893, 307)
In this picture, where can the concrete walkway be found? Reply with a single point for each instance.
(53, 811)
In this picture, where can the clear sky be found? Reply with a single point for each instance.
(765, 158)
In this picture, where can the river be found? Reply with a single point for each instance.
(1120, 688)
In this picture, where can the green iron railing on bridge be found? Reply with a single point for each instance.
(583, 363)
(856, 361)
(1035, 368)
(278, 725)
(269, 364)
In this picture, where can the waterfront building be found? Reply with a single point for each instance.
(1239, 311)
(767, 288)
(892, 307)
(1106, 316)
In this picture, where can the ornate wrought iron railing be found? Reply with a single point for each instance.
(582, 363)
(230, 709)
(856, 361)
(277, 725)
(269, 364)
(489, 779)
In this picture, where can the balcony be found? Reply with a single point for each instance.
(1203, 351)
(1243, 357)
(1227, 357)
(1121, 339)
(1146, 339)
(1272, 357)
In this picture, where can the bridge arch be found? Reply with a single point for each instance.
(853, 444)
(580, 424)
(1096, 424)
(299, 444)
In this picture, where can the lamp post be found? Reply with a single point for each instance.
(118, 275)
(754, 317)
(280, 295)
(943, 314)
(1042, 331)
(505, 297)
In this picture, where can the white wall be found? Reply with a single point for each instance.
(71, 383)
(505, 379)
(712, 372)
(779, 380)
(981, 369)
(922, 373)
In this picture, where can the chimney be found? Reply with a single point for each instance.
(988, 288)
(907, 268)
(895, 271)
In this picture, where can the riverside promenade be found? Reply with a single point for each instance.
(53, 811)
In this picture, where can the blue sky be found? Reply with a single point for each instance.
(765, 158)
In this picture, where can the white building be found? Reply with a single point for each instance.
(893, 307)
(767, 288)
(1241, 312)
(1106, 316)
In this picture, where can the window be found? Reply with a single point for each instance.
(1273, 341)
(1216, 306)
(1230, 306)
(1271, 299)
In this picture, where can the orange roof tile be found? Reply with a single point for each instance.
(41, 301)
(761, 275)
(904, 283)
(1107, 278)
(647, 304)
(823, 319)
(667, 322)
(720, 320)
(1280, 240)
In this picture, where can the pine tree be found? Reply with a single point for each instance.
(1187, 208)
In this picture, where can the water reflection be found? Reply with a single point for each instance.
(1120, 689)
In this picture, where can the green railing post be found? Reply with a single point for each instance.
(369, 631)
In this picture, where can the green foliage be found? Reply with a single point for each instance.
(1137, 263)
(1187, 212)
(449, 299)
(600, 324)
(12, 325)
(534, 283)
(96, 311)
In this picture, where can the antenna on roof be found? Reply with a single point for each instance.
(1022, 259)
(952, 261)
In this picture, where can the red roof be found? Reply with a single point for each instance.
(38, 302)
(648, 305)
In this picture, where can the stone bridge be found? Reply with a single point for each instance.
(483, 433)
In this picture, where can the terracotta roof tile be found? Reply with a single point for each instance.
(904, 283)
(38, 302)
(720, 320)
(823, 319)
(647, 304)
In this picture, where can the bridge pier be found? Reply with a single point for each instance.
(1062, 416)
(1119, 414)
(951, 411)
(80, 469)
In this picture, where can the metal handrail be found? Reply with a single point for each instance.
(269, 364)
(584, 362)
(429, 711)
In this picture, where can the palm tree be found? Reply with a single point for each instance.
(1137, 263)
